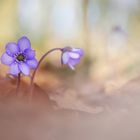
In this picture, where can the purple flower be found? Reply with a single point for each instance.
(71, 56)
(19, 57)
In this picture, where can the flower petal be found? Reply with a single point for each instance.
(32, 63)
(74, 55)
(29, 53)
(14, 69)
(74, 62)
(6, 59)
(78, 50)
(12, 48)
(71, 66)
(24, 68)
(65, 57)
(24, 43)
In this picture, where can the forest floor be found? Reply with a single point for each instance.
(69, 108)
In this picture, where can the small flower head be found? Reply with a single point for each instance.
(71, 56)
(19, 57)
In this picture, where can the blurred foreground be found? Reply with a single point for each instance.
(65, 111)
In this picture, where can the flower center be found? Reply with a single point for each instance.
(20, 57)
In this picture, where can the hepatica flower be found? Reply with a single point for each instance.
(19, 57)
(71, 56)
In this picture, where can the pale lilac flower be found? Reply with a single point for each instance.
(19, 57)
(71, 56)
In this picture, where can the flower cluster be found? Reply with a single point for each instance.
(20, 57)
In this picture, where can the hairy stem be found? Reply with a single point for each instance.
(18, 83)
(41, 59)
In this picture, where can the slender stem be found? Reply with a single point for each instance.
(18, 83)
(41, 59)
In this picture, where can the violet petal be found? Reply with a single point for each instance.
(74, 55)
(78, 50)
(29, 53)
(32, 63)
(24, 43)
(6, 59)
(12, 49)
(65, 57)
(24, 68)
(73, 62)
(71, 66)
(14, 69)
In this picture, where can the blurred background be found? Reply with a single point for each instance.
(97, 101)
(107, 30)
